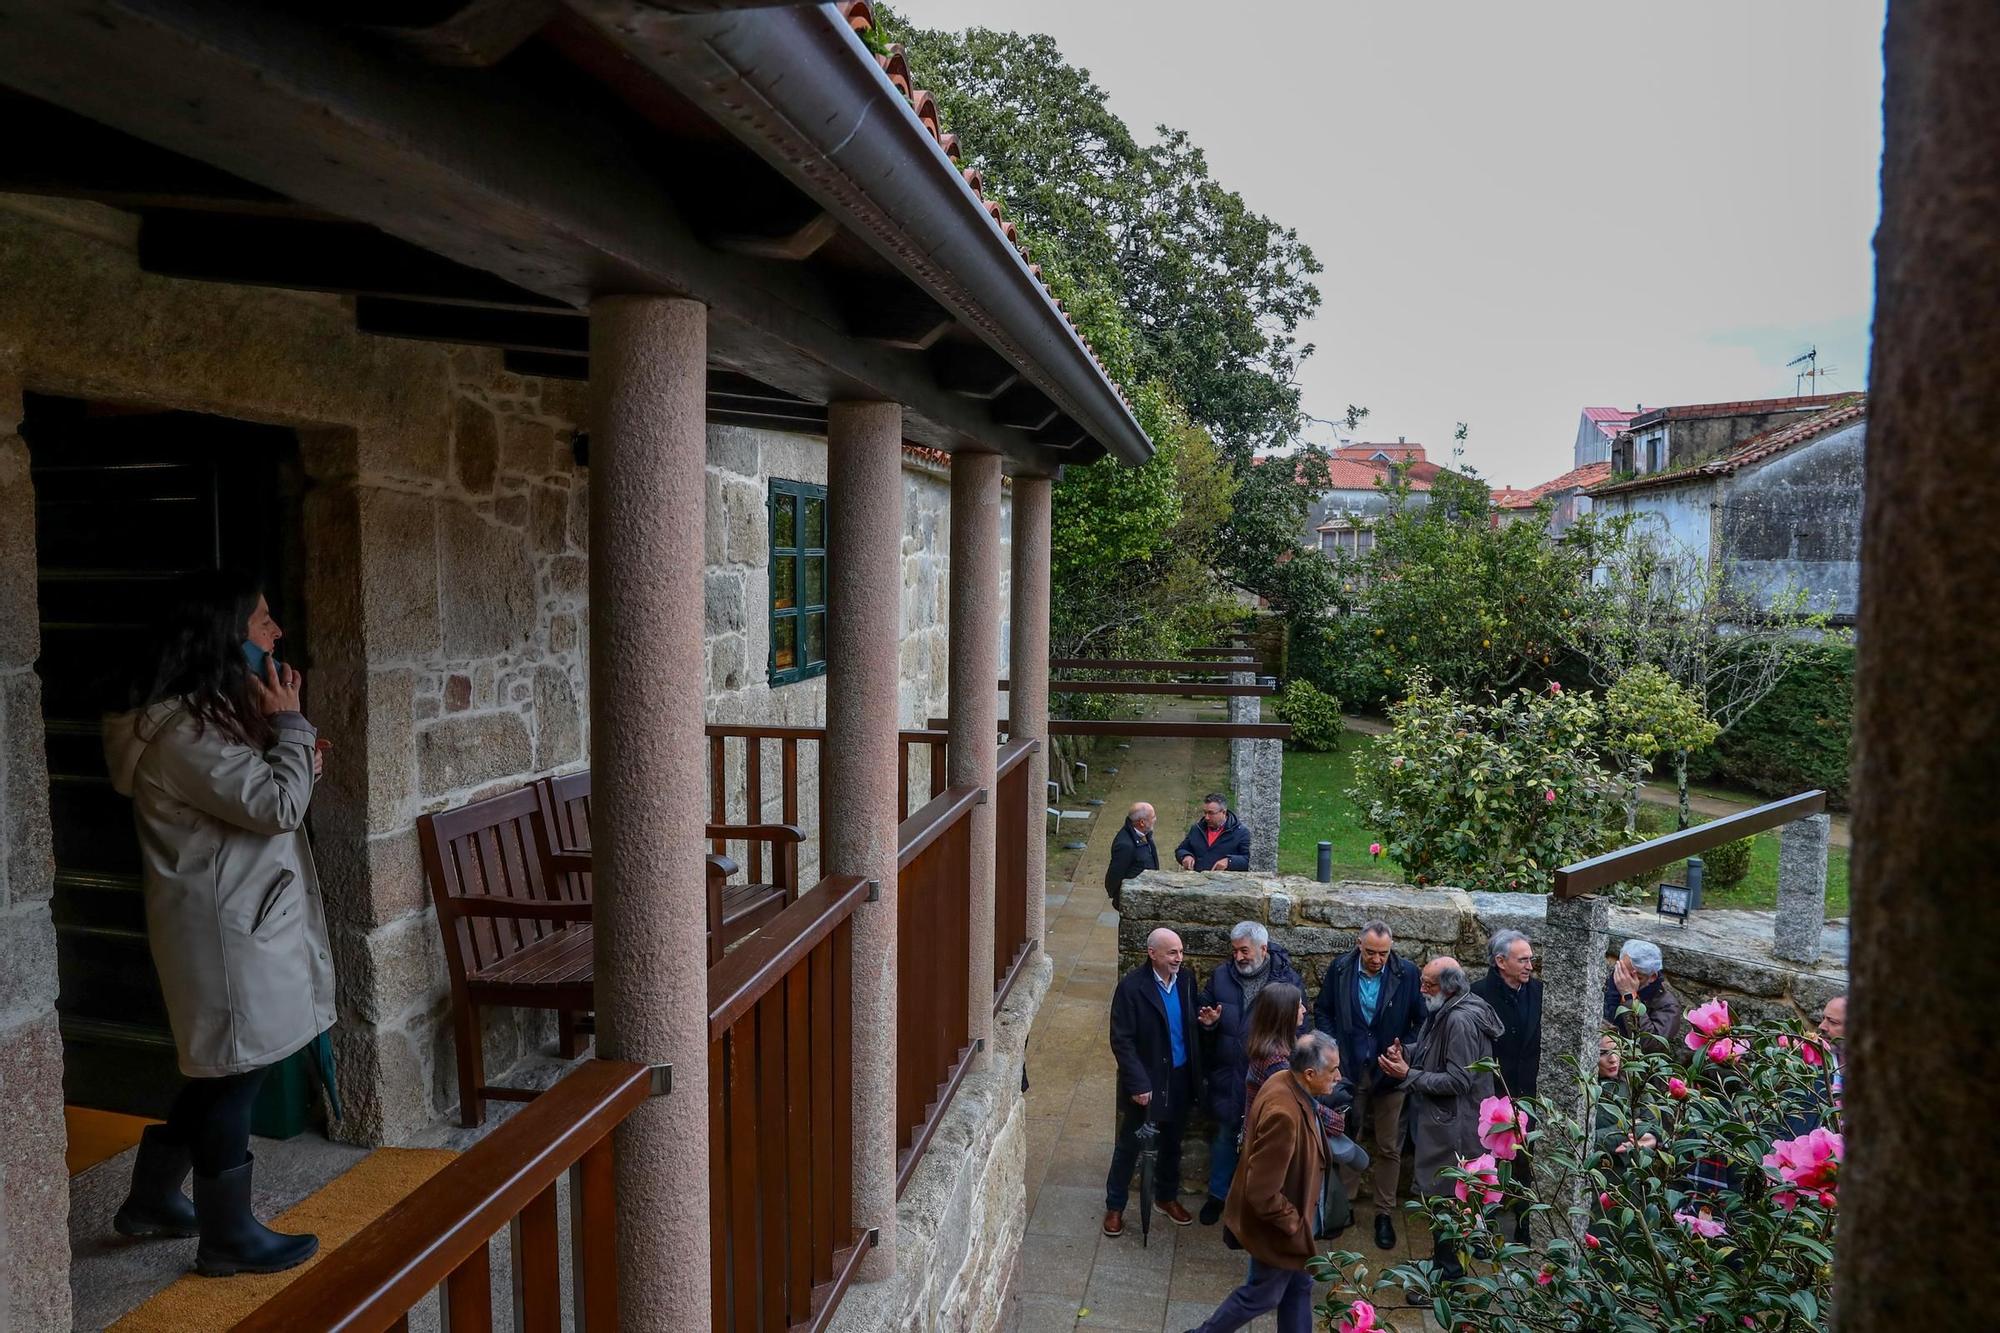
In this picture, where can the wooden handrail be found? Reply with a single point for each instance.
(1573, 881)
(370, 1283)
(750, 970)
(1197, 731)
(778, 833)
(1013, 753)
(933, 821)
(1189, 689)
(765, 733)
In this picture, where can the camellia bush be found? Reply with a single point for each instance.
(1699, 1191)
(1488, 796)
(1314, 715)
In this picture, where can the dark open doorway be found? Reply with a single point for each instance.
(127, 498)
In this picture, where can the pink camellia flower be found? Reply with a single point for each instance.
(1503, 1131)
(1725, 1049)
(1374, 849)
(1543, 1278)
(1484, 1169)
(1810, 1162)
(1549, 796)
(1592, 1242)
(1604, 1200)
(1555, 687)
(1709, 1023)
(1677, 1089)
(1708, 1228)
(1360, 1318)
(1808, 1049)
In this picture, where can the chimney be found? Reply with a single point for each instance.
(1400, 439)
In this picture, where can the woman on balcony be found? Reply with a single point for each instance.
(219, 763)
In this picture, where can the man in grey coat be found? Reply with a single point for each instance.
(1444, 1090)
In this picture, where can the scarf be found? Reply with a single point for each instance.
(1252, 982)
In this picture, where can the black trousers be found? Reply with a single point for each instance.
(1170, 1114)
(210, 1117)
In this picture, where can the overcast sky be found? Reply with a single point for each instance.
(1523, 208)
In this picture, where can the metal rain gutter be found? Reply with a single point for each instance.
(798, 86)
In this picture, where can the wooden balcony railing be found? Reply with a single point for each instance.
(781, 1144)
(936, 744)
(437, 1237)
(765, 749)
(1015, 821)
(933, 960)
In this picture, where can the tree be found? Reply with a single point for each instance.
(1665, 605)
(1648, 713)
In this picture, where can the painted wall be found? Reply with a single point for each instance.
(1794, 522)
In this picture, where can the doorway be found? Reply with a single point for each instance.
(127, 499)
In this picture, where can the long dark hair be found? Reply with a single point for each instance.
(1274, 1022)
(195, 654)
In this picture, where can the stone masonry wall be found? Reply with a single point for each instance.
(1718, 953)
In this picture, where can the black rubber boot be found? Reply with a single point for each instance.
(156, 1206)
(232, 1239)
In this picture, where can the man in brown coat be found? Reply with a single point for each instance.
(1276, 1192)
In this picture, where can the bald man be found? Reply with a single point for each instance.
(1132, 851)
(1155, 1039)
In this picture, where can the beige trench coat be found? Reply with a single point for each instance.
(232, 898)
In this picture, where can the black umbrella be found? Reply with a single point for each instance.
(1149, 1151)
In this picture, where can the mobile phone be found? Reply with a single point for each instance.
(256, 657)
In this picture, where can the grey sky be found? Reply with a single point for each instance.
(1525, 207)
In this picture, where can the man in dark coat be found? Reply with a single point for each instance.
(1132, 850)
(1218, 840)
(1637, 977)
(1445, 1091)
(1254, 963)
(1368, 1001)
(1155, 1039)
(1515, 993)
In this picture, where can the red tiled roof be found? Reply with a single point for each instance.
(1354, 474)
(1847, 409)
(1364, 452)
(1608, 420)
(1590, 474)
(860, 16)
(1747, 407)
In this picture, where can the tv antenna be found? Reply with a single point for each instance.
(1802, 380)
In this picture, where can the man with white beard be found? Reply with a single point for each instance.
(1224, 1014)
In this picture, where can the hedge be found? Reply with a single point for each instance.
(1797, 737)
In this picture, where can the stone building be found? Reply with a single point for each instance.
(549, 457)
(1779, 511)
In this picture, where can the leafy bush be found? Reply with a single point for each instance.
(1343, 657)
(1798, 736)
(1488, 796)
(1646, 714)
(1632, 1243)
(1725, 866)
(1314, 715)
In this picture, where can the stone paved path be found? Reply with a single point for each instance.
(1072, 1276)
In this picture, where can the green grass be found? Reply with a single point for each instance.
(1316, 806)
(1760, 887)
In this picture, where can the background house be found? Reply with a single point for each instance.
(1664, 438)
(1358, 477)
(1566, 495)
(1780, 510)
(1595, 431)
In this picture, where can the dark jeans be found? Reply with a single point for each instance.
(1289, 1291)
(1170, 1114)
(210, 1117)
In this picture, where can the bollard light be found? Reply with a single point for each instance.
(1325, 873)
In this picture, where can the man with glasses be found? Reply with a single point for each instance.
(1515, 993)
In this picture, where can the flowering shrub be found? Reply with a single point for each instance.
(1698, 1195)
(1488, 796)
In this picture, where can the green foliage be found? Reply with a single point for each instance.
(1315, 716)
(1648, 713)
(1488, 796)
(1631, 1256)
(1259, 549)
(1344, 657)
(1727, 866)
(1798, 736)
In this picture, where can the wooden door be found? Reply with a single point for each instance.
(126, 500)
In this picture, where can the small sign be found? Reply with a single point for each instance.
(1675, 901)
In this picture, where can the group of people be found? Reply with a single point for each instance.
(1218, 841)
(1305, 1103)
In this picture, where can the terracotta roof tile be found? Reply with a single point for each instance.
(1590, 474)
(1746, 407)
(1846, 409)
(860, 15)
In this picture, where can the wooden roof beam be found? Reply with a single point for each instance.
(972, 370)
(556, 335)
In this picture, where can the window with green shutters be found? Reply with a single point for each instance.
(798, 581)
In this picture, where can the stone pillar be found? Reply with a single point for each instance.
(1573, 940)
(1802, 848)
(1926, 861)
(975, 697)
(1028, 675)
(648, 668)
(864, 496)
(34, 1204)
(1256, 777)
(1243, 708)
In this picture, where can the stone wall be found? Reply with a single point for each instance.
(1718, 953)
(960, 1222)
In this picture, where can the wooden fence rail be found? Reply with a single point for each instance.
(782, 1248)
(1573, 881)
(1187, 689)
(933, 959)
(437, 1236)
(1198, 731)
(1015, 821)
(1196, 667)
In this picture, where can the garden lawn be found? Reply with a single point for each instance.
(1317, 806)
(1760, 887)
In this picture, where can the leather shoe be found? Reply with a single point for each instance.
(1385, 1231)
(1173, 1212)
(1114, 1224)
(1211, 1212)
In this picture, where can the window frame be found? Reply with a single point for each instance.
(794, 495)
